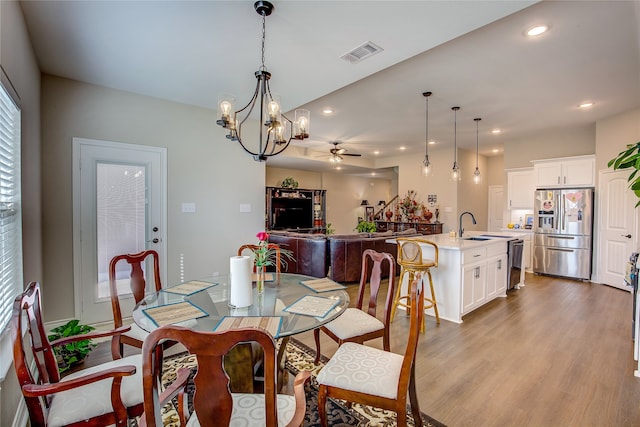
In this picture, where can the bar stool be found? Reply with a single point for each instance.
(411, 261)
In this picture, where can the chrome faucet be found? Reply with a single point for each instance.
(460, 229)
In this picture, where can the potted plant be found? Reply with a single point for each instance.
(629, 159)
(75, 352)
(366, 227)
(290, 183)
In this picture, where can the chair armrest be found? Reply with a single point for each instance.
(298, 392)
(91, 335)
(177, 388)
(37, 390)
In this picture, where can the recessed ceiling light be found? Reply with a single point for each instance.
(373, 174)
(402, 148)
(496, 131)
(376, 152)
(327, 110)
(537, 30)
(338, 168)
(432, 142)
(586, 104)
(495, 150)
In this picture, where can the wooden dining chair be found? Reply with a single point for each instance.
(359, 373)
(138, 285)
(272, 246)
(105, 394)
(359, 324)
(213, 402)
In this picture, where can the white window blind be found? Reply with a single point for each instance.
(10, 207)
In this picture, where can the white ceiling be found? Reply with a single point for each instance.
(468, 53)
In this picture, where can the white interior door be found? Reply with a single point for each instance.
(496, 207)
(617, 227)
(119, 207)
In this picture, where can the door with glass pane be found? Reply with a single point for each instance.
(120, 206)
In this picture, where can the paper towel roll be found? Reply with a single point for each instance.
(241, 293)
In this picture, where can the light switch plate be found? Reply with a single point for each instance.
(245, 207)
(188, 208)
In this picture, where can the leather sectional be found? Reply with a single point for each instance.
(315, 253)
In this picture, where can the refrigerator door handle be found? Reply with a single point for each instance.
(564, 210)
(562, 237)
(560, 250)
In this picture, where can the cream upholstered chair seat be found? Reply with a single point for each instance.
(363, 369)
(88, 401)
(248, 410)
(353, 322)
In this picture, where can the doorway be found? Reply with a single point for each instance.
(119, 203)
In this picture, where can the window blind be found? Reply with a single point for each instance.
(10, 207)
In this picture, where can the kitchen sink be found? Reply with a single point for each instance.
(476, 238)
(495, 235)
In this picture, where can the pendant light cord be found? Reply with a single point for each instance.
(264, 36)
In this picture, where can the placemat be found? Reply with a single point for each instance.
(190, 287)
(310, 305)
(270, 324)
(322, 285)
(174, 313)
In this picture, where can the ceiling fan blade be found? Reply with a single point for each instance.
(340, 151)
(354, 155)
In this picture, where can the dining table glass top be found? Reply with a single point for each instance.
(299, 307)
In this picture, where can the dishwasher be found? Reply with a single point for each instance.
(515, 249)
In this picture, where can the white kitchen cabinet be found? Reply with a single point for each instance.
(496, 276)
(474, 284)
(520, 188)
(528, 256)
(576, 171)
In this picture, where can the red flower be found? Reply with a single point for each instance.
(262, 236)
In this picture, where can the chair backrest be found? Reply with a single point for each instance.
(374, 279)
(212, 400)
(417, 315)
(137, 281)
(33, 344)
(273, 246)
(410, 253)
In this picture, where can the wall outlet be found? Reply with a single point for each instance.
(245, 207)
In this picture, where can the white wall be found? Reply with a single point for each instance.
(203, 168)
(18, 60)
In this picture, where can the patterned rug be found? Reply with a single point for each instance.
(301, 357)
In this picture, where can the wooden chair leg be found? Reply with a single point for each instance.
(396, 297)
(413, 399)
(316, 336)
(322, 405)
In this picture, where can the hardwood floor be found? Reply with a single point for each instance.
(554, 353)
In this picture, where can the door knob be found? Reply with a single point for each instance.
(628, 236)
(155, 229)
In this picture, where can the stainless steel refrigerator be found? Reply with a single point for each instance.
(563, 230)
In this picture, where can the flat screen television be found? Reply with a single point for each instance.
(291, 213)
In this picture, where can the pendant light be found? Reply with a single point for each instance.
(426, 164)
(455, 171)
(476, 173)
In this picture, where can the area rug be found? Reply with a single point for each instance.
(301, 357)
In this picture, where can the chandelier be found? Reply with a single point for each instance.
(276, 131)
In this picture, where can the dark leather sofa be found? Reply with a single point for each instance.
(314, 253)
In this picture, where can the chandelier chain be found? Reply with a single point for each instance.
(264, 36)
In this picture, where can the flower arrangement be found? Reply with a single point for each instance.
(408, 204)
(265, 256)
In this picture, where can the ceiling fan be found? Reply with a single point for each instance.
(337, 153)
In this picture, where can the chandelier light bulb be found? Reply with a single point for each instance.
(476, 176)
(426, 166)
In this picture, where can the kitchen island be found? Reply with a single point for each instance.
(471, 271)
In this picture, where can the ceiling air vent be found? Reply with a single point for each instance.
(361, 52)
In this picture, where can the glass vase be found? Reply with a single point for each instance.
(260, 276)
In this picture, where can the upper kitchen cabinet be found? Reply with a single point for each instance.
(520, 188)
(576, 171)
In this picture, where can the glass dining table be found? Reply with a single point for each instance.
(281, 296)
